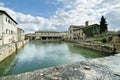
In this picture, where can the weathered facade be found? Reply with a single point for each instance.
(72, 31)
(64, 35)
(81, 32)
(20, 34)
(9, 49)
(44, 36)
(8, 29)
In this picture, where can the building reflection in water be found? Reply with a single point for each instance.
(7, 64)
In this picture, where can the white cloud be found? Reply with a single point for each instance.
(74, 12)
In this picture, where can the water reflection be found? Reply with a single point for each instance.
(38, 55)
(7, 64)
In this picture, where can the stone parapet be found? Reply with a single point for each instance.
(99, 47)
(8, 49)
(84, 70)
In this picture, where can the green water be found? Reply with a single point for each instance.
(38, 55)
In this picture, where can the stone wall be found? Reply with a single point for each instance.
(8, 49)
(99, 47)
(116, 42)
(19, 44)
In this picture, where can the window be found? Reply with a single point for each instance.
(70, 31)
(6, 31)
(6, 19)
(11, 32)
(10, 22)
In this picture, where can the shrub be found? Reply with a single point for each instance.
(104, 40)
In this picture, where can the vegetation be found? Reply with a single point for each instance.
(104, 40)
(103, 25)
(92, 30)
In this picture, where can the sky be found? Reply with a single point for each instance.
(58, 15)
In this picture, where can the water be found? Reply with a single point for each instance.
(38, 55)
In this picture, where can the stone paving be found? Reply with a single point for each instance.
(113, 62)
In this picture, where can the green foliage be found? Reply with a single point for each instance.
(119, 35)
(103, 25)
(104, 40)
(92, 30)
(98, 41)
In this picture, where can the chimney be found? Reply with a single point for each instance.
(86, 24)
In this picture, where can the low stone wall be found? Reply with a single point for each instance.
(117, 45)
(99, 47)
(8, 49)
(20, 44)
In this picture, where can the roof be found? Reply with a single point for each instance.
(90, 26)
(76, 26)
(46, 32)
(8, 15)
(20, 29)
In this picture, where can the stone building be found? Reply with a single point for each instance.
(45, 36)
(92, 30)
(64, 35)
(81, 32)
(72, 30)
(20, 34)
(8, 29)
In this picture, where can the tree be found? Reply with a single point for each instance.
(103, 25)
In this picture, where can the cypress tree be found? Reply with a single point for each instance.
(103, 25)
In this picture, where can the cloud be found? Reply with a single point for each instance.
(74, 12)
(1, 4)
(82, 10)
(28, 22)
(113, 15)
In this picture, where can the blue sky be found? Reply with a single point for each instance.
(34, 15)
(45, 8)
